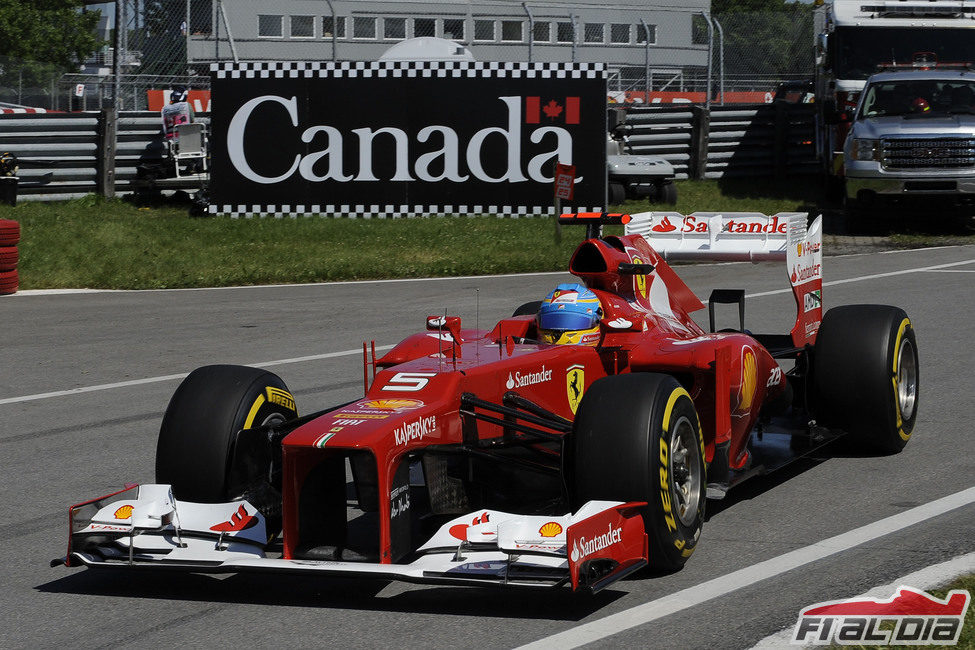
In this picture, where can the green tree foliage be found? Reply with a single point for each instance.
(766, 39)
(55, 32)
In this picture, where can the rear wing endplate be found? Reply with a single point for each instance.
(747, 237)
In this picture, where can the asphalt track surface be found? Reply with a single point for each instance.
(84, 380)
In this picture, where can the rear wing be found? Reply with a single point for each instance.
(747, 237)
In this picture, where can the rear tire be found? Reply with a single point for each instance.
(866, 374)
(637, 437)
(212, 404)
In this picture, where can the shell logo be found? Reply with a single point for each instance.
(799, 248)
(393, 404)
(551, 529)
(749, 379)
(125, 512)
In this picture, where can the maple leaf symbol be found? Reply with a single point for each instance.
(552, 109)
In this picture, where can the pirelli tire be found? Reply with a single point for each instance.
(210, 406)
(866, 377)
(637, 437)
(9, 232)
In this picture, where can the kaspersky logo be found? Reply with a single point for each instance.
(917, 618)
(583, 548)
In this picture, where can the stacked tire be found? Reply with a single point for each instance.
(9, 256)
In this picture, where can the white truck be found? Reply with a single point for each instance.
(912, 139)
(855, 37)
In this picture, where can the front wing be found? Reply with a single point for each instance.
(144, 526)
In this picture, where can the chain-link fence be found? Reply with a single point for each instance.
(653, 53)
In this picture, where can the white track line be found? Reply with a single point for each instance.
(153, 380)
(726, 584)
(936, 575)
(874, 276)
(56, 292)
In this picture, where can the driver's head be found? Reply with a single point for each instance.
(570, 315)
(177, 95)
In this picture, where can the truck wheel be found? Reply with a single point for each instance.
(617, 193)
(667, 193)
(198, 431)
(636, 437)
(865, 374)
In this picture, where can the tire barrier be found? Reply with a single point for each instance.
(9, 256)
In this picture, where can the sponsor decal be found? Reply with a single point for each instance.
(551, 529)
(541, 547)
(774, 377)
(664, 226)
(620, 324)
(399, 501)
(411, 431)
(813, 300)
(125, 512)
(749, 380)
(804, 273)
(392, 404)
(109, 527)
(909, 617)
(240, 520)
(812, 328)
(640, 280)
(459, 531)
(409, 382)
(691, 223)
(583, 548)
(575, 385)
(323, 439)
(519, 380)
(280, 397)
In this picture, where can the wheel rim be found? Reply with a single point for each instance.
(685, 471)
(906, 379)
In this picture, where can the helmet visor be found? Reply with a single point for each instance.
(565, 320)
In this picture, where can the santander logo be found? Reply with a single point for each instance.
(664, 226)
(583, 548)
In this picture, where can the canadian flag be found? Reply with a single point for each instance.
(568, 111)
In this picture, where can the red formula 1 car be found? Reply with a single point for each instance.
(506, 457)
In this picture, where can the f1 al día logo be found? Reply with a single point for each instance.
(909, 617)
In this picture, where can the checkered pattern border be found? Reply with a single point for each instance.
(340, 69)
(386, 211)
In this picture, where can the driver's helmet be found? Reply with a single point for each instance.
(570, 316)
(177, 95)
(920, 105)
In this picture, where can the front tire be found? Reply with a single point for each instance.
(212, 404)
(637, 437)
(865, 374)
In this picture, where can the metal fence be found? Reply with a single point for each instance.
(61, 155)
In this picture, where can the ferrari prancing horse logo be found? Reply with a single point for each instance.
(575, 385)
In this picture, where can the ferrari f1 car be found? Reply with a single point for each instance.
(494, 457)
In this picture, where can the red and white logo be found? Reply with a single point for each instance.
(917, 617)
(240, 520)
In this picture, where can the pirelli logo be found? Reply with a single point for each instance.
(281, 398)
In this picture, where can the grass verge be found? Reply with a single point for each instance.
(113, 244)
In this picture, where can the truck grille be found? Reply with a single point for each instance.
(939, 153)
